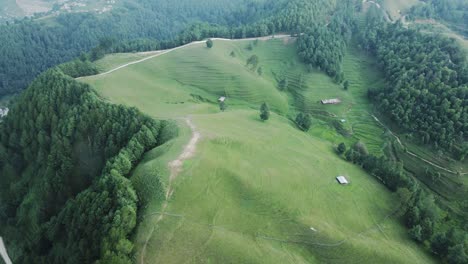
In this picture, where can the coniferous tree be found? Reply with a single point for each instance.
(264, 112)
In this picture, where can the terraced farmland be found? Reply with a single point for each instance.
(258, 192)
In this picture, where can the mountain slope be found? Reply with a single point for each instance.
(256, 192)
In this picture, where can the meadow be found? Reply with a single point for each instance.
(259, 192)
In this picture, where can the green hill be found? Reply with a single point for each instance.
(258, 192)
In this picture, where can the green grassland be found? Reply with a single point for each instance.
(395, 8)
(256, 191)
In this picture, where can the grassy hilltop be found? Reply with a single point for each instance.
(258, 192)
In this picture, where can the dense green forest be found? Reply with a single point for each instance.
(455, 12)
(64, 195)
(427, 83)
(64, 158)
(29, 47)
(323, 45)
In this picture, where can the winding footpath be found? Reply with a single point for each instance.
(162, 52)
(414, 154)
(4, 253)
(175, 167)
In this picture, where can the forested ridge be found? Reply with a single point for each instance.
(29, 47)
(455, 12)
(427, 83)
(64, 159)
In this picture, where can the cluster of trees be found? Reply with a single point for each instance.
(427, 82)
(303, 121)
(427, 222)
(453, 11)
(79, 67)
(323, 45)
(64, 195)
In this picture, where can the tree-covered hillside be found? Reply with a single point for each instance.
(454, 12)
(29, 46)
(64, 158)
(427, 83)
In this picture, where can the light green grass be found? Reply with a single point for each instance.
(254, 189)
(111, 61)
(395, 8)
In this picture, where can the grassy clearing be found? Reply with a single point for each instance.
(254, 189)
(111, 61)
(395, 8)
(240, 189)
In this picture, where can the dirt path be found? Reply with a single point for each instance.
(414, 154)
(4, 253)
(175, 167)
(162, 52)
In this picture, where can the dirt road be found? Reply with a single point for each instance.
(4, 253)
(414, 154)
(162, 52)
(175, 167)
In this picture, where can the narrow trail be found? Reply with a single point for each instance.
(4, 253)
(175, 167)
(162, 52)
(414, 154)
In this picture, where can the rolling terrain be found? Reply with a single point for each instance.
(253, 191)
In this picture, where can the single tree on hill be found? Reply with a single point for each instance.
(253, 61)
(346, 85)
(222, 106)
(209, 43)
(283, 84)
(264, 112)
(260, 70)
(303, 121)
(341, 148)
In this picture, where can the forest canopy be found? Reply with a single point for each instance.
(64, 194)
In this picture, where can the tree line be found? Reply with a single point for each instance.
(426, 90)
(428, 224)
(31, 46)
(323, 45)
(455, 12)
(64, 192)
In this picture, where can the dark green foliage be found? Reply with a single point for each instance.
(457, 254)
(427, 82)
(283, 84)
(29, 47)
(65, 156)
(264, 112)
(303, 121)
(232, 54)
(222, 106)
(253, 61)
(416, 233)
(78, 68)
(453, 11)
(341, 148)
(346, 85)
(322, 48)
(426, 222)
(209, 43)
(323, 45)
(260, 71)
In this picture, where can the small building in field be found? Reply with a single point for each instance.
(331, 101)
(222, 99)
(342, 180)
(4, 112)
